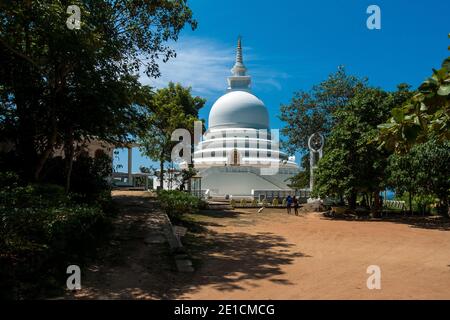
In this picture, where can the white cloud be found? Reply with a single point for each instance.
(205, 64)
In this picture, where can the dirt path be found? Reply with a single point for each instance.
(276, 256)
(136, 263)
(245, 255)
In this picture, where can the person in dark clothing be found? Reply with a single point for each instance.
(295, 202)
(289, 203)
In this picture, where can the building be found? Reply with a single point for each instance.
(239, 155)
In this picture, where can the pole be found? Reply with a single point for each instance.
(130, 166)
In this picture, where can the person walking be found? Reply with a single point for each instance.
(295, 202)
(289, 203)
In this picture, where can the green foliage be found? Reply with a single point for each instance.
(176, 203)
(59, 86)
(423, 171)
(301, 179)
(171, 108)
(187, 175)
(140, 181)
(350, 164)
(424, 202)
(401, 173)
(58, 89)
(311, 112)
(420, 203)
(8, 179)
(243, 203)
(275, 202)
(423, 117)
(41, 228)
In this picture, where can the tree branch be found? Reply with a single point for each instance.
(19, 54)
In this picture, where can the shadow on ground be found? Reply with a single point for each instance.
(423, 222)
(218, 213)
(227, 260)
(131, 269)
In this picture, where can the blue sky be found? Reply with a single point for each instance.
(291, 45)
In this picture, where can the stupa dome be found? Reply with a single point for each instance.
(239, 109)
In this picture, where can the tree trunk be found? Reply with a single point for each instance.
(69, 150)
(446, 209)
(161, 174)
(52, 139)
(170, 177)
(410, 203)
(352, 200)
(376, 200)
(25, 147)
(341, 199)
(190, 179)
(45, 155)
(365, 200)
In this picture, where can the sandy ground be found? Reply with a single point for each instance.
(245, 255)
(276, 256)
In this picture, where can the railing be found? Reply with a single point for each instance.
(138, 180)
(201, 194)
(394, 204)
(254, 170)
(270, 195)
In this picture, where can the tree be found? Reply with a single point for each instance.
(187, 175)
(423, 170)
(350, 164)
(423, 117)
(311, 112)
(171, 108)
(301, 179)
(402, 175)
(59, 86)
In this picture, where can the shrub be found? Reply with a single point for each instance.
(41, 228)
(233, 203)
(275, 202)
(423, 203)
(243, 203)
(254, 203)
(203, 205)
(8, 179)
(175, 203)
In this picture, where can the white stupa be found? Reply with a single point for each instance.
(239, 154)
